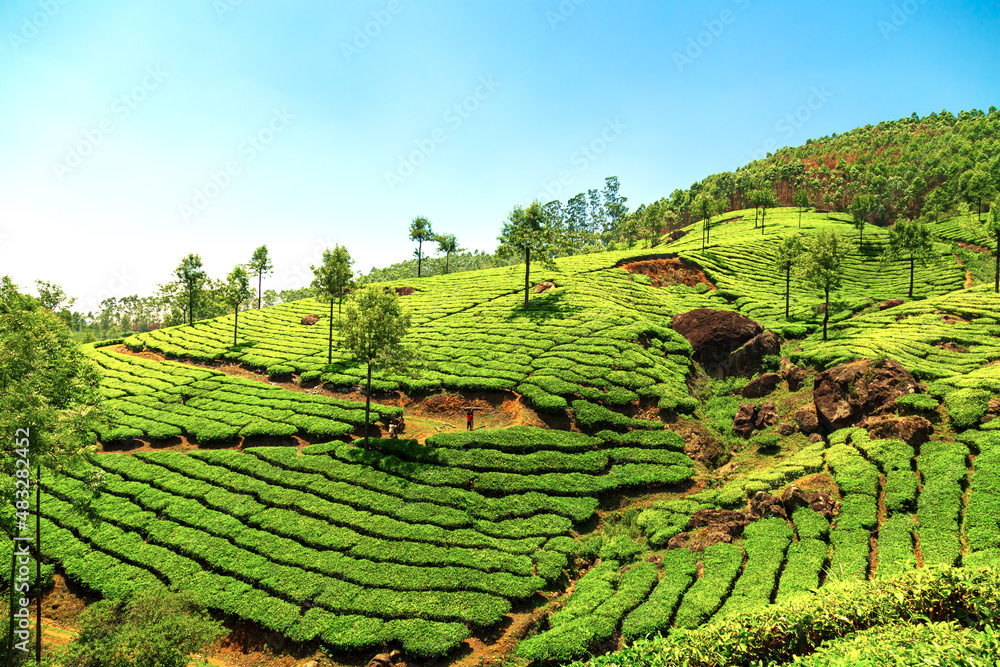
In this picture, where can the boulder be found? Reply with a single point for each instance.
(749, 359)
(744, 421)
(544, 286)
(310, 319)
(806, 418)
(815, 437)
(384, 659)
(914, 431)
(708, 527)
(819, 501)
(786, 429)
(764, 505)
(405, 290)
(714, 334)
(847, 393)
(761, 386)
(705, 449)
(795, 377)
(890, 303)
(767, 415)
(679, 234)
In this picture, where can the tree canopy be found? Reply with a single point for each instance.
(526, 231)
(331, 280)
(372, 329)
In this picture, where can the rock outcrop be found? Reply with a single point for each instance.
(310, 320)
(761, 386)
(847, 393)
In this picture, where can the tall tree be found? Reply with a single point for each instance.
(260, 264)
(992, 227)
(331, 280)
(801, 199)
(976, 186)
(788, 254)
(598, 213)
(614, 203)
(861, 208)
(825, 257)
(908, 239)
(372, 329)
(420, 231)
(767, 199)
(526, 232)
(52, 296)
(448, 244)
(704, 208)
(191, 279)
(576, 218)
(237, 292)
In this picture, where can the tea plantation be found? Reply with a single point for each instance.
(262, 503)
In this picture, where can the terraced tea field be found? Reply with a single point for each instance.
(357, 548)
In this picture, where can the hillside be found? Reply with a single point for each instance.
(933, 166)
(627, 493)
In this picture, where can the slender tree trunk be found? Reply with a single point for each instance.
(996, 279)
(260, 284)
(329, 347)
(368, 400)
(191, 306)
(788, 288)
(763, 215)
(800, 217)
(826, 310)
(527, 270)
(38, 565)
(420, 255)
(236, 325)
(911, 275)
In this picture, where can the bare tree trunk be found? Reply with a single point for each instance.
(260, 283)
(911, 276)
(788, 287)
(826, 310)
(329, 347)
(236, 325)
(527, 269)
(368, 401)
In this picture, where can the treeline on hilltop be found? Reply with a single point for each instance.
(913, 167)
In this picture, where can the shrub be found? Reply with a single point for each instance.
(917, 402)
(966, 407)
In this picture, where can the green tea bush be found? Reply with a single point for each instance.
(775, 635)
(966, 407)
(917, 402)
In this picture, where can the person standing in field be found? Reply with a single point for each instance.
(468, 420)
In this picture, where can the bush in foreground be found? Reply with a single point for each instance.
(781, 633)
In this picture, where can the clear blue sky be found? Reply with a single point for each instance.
(133, 133)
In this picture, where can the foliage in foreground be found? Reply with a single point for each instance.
(804, 624)
(155, 629)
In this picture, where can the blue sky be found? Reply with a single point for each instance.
(133, 133)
